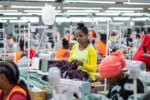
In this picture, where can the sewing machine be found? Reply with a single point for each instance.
(71, 87)
(64, 89)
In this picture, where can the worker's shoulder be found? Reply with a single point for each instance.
(91, 48)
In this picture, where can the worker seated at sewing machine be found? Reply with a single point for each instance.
(116, 78)
(63, 52)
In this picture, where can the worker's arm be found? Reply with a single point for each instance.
(92, 57)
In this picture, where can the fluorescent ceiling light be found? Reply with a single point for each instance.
(133, 14)
(102, 18)
(8, 18)
(18, 21)
(121, 18)
(86, 1)
(28, 7)
(140, 19)
(3, 21)
(136, 3)
(8, 10)
(117, 11)
(40, 0)
(82, 8)
(108, 14)
(82, 11)
(76, 13)
(19, 13)
(39, 11)
(115, 8)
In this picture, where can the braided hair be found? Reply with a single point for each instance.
(11, 71)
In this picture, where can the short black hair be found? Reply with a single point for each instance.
(103, 37)
(65, 43)
(83, 28)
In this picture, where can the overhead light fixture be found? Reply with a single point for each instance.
(40, 0)
(3, 21)
(102, 18)
(82, 11)
(136, 3)
(121, 18)
(18, 21)
(19, 13)
(86, 8)
(115, 8)
(3, 18)
(39, 11)
(140, 19)
(118, 11)
(76, 13)
(27, 7)
(8, 10)
(86, 1)
(108, 14)
(133, 14)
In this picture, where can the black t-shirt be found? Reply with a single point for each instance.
(117, 91)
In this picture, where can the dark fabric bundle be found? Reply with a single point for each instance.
(68, 70)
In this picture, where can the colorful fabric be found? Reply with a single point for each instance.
(32, 53)
(139, 55)
(17, 56)
(112, 65)
(91, 63)
(101, 47)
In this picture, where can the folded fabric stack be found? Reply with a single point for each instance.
(35, 79)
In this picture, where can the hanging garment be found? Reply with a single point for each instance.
(139, 55)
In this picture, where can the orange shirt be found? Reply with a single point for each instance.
(68, 37)
(14, 90)
(61, 53)
(18, 56)
(101, 47)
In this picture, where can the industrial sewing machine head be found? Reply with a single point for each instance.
(64, 89)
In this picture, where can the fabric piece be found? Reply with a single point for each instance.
(35, 79)
(101, 47)
(91, 65)
(61, 53)
(18, 56)
(117, 91)
(32, 53)
(69, 70)
(77, 56)
(139, 55)
(112, 65)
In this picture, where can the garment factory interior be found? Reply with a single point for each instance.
(74, 49)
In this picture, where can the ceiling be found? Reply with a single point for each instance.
(118, 10)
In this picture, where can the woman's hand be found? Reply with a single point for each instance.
(79, 63)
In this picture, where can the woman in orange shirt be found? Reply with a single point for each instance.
(63, 52)
(101, 45)
(11, 88)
